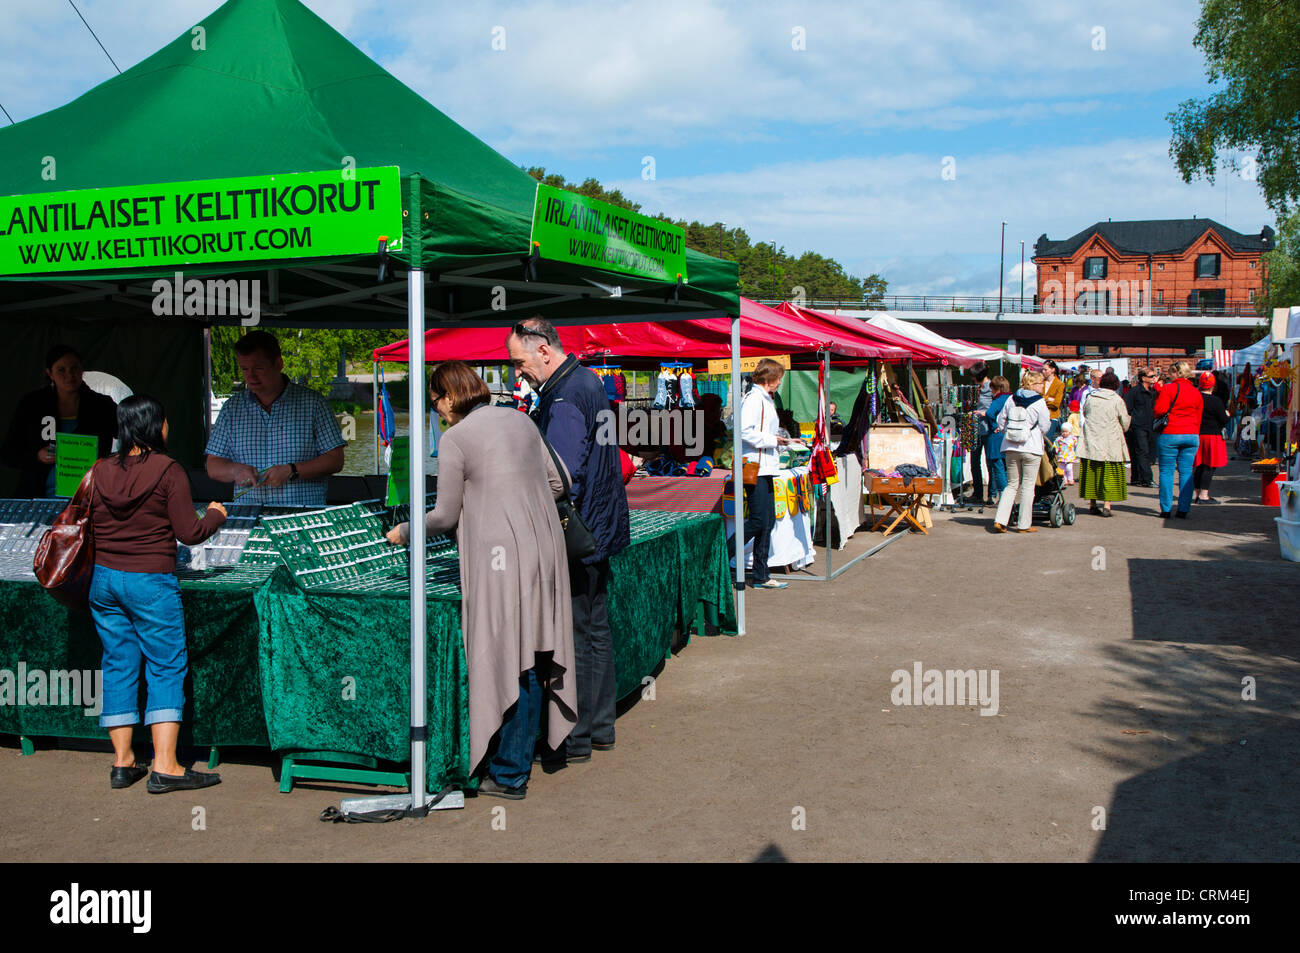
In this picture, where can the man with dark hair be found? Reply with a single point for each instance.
(1141, 437)
(983, 427)
(274, 435)
(571, 396)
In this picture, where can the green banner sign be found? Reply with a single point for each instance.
(74, 455)
(583, 231)
(214, 221)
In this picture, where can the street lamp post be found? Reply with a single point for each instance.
(1022, 276)
(1002, 257)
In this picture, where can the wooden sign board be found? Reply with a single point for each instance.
(891, 445)
(747, 364)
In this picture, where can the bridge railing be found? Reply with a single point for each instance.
(1014, 305)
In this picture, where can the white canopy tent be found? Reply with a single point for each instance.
(923, 335)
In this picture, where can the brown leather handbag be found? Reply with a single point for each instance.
(65, 559)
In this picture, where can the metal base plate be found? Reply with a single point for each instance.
(399, 802)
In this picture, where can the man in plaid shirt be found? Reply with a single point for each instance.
(276, 426)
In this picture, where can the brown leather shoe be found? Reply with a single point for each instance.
(1028, 529)
(999, 527)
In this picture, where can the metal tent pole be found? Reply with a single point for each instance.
(415, 394)
(737, 467)
(417, 799)
(374, 404)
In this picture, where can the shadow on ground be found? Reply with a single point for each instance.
(1209, 689)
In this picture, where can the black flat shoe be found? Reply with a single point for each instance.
(125, 777)
(191, 780)
(1165, 514)
(1181, 515)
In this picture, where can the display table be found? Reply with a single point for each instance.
(681, 494)
(792, 535)
(904, 499)
(275, 665)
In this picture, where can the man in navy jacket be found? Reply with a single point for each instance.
(571, 398)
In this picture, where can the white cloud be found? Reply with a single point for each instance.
(865, 211)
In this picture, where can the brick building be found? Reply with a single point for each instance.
(1188, 266)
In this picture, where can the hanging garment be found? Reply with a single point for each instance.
(387, 419)
(661, 390)
(687, 384)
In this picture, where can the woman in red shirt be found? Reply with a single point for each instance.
(1177, 443)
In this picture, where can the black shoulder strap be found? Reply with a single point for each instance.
(564, 474)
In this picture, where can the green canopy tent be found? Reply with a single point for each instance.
(263, 88)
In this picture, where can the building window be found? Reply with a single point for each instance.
(1207, 266)
(1092, 302)
(1160, 266)
(1160, 296)
(1094, 268)
(1252, 290)
(1252, 264)
(1058, 267)
(1142, 266)
(1207, 301)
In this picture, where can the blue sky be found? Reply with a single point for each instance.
(820, 126)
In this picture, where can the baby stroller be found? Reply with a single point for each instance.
(1049, 493)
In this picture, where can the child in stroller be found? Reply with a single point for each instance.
(1049, 493)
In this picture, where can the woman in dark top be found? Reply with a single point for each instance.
(1212, 452)
(66, 405)
(140, 505)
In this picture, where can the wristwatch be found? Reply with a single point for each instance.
(293, 472)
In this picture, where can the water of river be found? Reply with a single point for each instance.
(359, 454)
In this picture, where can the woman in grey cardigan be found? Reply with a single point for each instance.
(1102, 448)
(497, 486)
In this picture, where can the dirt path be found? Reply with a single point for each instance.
(1119, 698)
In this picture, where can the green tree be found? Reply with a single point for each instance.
(1252, 47)
(311, 356)
(1283, 264)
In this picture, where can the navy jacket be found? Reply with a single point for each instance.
(566, 414)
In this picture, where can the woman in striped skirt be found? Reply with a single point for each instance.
(1102, 449)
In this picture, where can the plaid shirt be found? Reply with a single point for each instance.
(299, 426)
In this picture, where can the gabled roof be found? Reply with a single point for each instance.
(1154, 237)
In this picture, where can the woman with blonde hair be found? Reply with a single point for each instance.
(1178, 441)
(1023, 422)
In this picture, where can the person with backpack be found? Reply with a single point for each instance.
(1023, 422)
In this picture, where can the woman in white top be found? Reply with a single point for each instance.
(759, 442)
(1022, 450)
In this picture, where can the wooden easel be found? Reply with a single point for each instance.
(889, 446)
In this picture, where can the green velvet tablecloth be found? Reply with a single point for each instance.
(223, 689)
(272, 664)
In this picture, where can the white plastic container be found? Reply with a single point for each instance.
(1288, 497)
(1288, 535)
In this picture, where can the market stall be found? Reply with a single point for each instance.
(445, 233)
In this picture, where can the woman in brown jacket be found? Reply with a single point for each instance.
(140, 505)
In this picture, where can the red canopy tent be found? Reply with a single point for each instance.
(764, 330)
